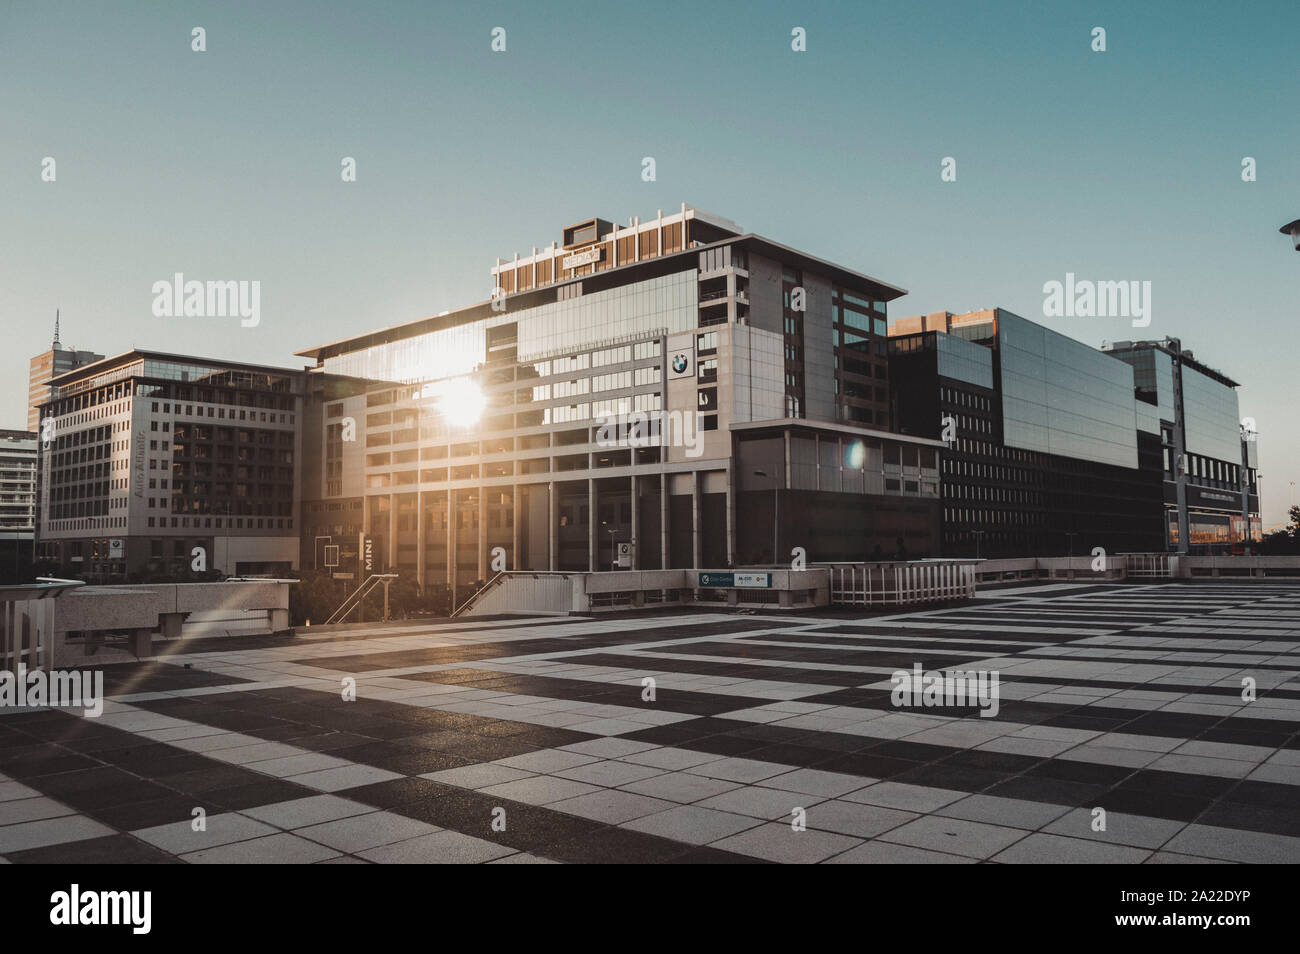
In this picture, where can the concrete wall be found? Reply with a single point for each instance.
(164, 611)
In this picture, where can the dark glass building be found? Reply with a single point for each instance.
(1208, 453)
(1049, 452)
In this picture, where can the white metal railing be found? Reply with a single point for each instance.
(1148, 565)
(521, 591)
(900, 584)
(473, 597)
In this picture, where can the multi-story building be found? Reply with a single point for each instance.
(48, 365)
(17, 480)
(1057, 448)
(699, 395)
(161, 464)
(17, 502)
(1050, 452)
(1209, 457)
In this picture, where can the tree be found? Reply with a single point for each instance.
(1285, 540)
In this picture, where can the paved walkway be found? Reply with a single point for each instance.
(767, 739)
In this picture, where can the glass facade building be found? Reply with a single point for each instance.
(1061, 397)
(1211, 495)
(1210, 417)
(707, 346)
(1047, 453)
(662, 305)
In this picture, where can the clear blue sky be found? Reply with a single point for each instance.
(1117, 165)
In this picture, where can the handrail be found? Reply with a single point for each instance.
(359, 594)
(473, 597)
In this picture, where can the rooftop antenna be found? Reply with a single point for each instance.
(56, 329)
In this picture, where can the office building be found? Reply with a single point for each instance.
(1050, 453)
(1056, 448)
(17, 480)
(155, 464)
(1209, 455)
(44, 367)
(669, 393)
(17, 502)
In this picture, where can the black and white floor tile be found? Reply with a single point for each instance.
(535, 740)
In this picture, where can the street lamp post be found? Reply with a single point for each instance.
(613, 550)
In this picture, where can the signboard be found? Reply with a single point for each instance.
(585, 257)
(115, 549)
(624, 556)
(331, 554)
(367, 554)
(681, 364)
(743, 580)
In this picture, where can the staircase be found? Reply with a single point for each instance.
(360, 593)
(522, 592)
(473, 597)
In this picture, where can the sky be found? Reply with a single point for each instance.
(1122, 165)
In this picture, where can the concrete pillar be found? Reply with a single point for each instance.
(664, 558)
(392, 533)
(420, 538)
(514, 562)
(482, 533)
(452, 542)
(731, 513)
(593, 525)
(552, 525)
(636, 526)
(696, 530)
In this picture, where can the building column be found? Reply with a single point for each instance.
(420, 539)
(731, 513)
(593, 525)
(452, 516)
(664, 539)
(392, 533)
(696, 535)
(552, 525)
(482, 534)
(514, 561)
(636, 525)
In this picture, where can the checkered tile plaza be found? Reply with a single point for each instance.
(1125, 698)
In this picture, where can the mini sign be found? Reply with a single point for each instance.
(586, 257)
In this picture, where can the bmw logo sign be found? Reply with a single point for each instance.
(680, 363)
